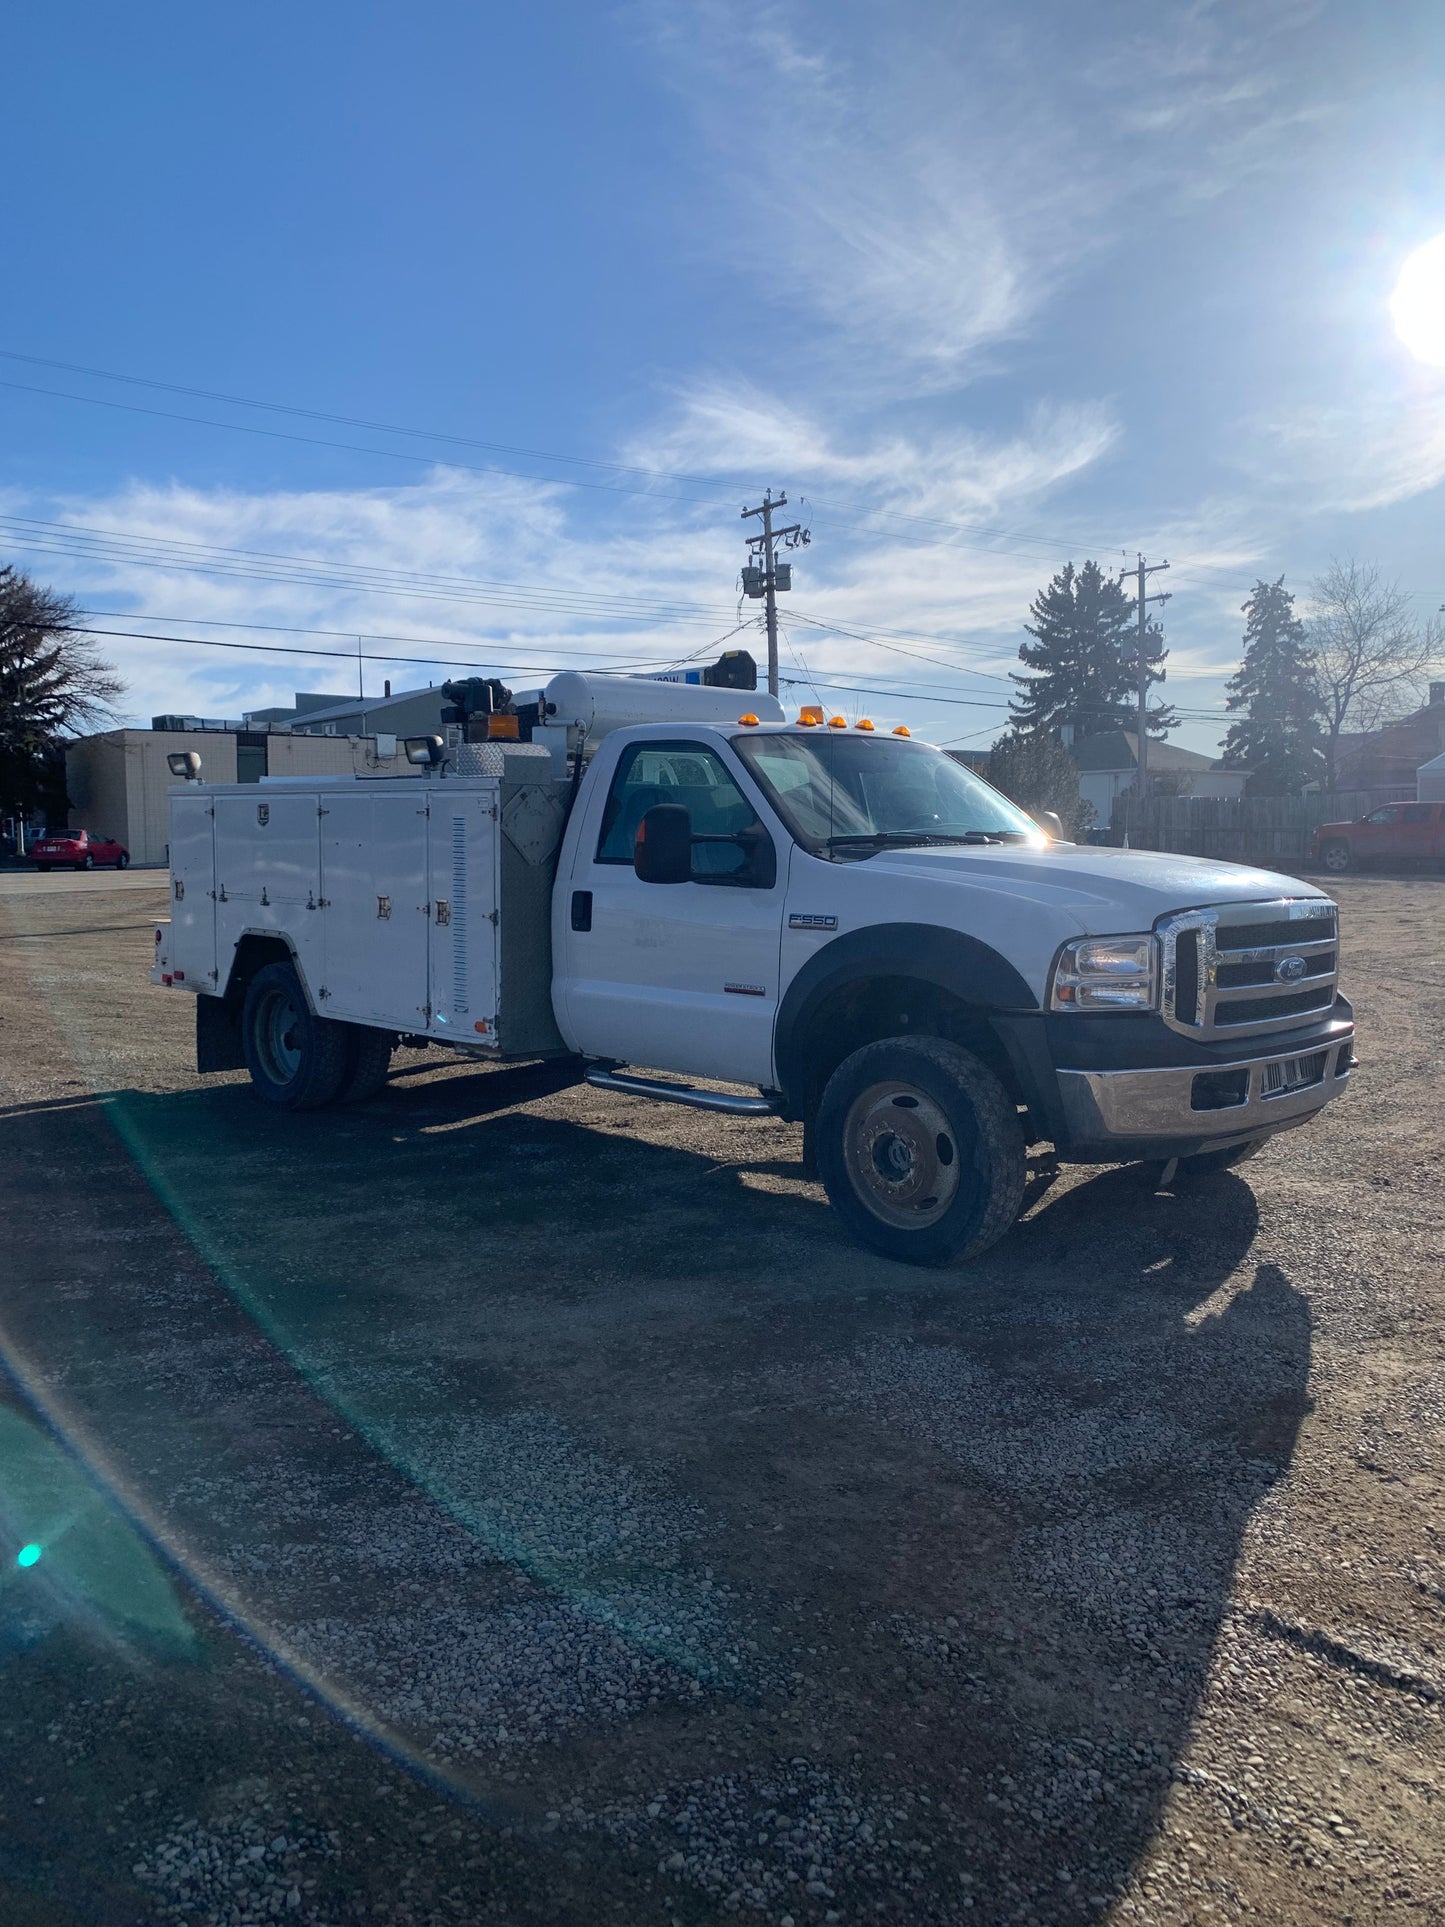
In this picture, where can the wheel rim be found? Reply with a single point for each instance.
(902, 1155)
(278, 1037)
(1336, 858)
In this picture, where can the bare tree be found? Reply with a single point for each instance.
(1370, 655)
(52, 685)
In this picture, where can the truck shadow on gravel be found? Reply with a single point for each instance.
(792, 1580)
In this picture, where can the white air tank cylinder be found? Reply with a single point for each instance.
(600, 703)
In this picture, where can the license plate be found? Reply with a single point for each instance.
(1292, 1074)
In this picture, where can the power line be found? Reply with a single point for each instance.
(355, 655)
(86, 542)
(463, 441)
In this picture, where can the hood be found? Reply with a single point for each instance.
(1104, 891)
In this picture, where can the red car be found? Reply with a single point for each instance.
(79, 849)
(1395, 833)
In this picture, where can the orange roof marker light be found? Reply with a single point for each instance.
(811, 715)
(837, 722)
(863, 723)
(903, 730)
(750, 720)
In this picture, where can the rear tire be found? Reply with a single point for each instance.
(1203, 1162)
(920, 1150)
(297, 1061)
(86, 863)
(1337, 857)
(43, 868)
(368, 1059)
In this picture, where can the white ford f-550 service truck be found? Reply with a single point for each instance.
(661, 878)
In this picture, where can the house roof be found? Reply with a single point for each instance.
(1118, 749)
(1436, 765)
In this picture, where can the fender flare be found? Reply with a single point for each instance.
(962, 965)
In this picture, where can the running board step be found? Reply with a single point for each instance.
(604, 1080)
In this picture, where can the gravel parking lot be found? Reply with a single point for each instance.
(505, 1501)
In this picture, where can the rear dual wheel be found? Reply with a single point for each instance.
(299, 1061)
(920, 1150)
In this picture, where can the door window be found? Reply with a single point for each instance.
(1386, 815)
(695, 777)
(1415, 813)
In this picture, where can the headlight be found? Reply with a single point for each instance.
(1107, 973)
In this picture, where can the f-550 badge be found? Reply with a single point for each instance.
(806, 920)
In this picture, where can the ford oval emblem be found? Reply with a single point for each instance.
(1289, 970)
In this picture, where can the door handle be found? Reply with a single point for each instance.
(581, 909)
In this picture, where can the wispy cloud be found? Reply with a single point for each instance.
(924, 189)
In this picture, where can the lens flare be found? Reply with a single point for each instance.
(1417, 306)
(27, 1555)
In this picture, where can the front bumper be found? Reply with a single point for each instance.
(1178, 1110)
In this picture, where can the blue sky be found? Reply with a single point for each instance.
(984, 287)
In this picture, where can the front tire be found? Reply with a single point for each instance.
(297, 1061)
(121, 861)
(1338, 857)
(920, 1150)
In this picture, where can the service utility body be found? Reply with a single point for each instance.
(678, 889)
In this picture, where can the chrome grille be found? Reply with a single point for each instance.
(1222, 966)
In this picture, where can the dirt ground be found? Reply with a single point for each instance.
(506, 1502)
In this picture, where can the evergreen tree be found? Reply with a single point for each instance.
(52, 685)
(1277, 737)
(1037, 773)
(1084, 658)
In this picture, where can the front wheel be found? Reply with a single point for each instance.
(1338, 857)
(920, 1150)
(297, 1061)
(121, 861)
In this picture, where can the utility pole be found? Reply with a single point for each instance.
(1143, 571)
(768, 575)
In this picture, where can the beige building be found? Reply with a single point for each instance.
(118, 781)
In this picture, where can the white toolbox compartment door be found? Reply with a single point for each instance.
(376, 909)
(463, 843)
(192, 946)
(268, 872)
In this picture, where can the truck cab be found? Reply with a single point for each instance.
(842, 924)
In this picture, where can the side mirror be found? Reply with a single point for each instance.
(1051, 821)
(662, 852)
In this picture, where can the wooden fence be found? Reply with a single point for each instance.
(1271, 830)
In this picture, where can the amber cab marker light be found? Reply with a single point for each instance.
(903, 730)
(750, 720)
(811, 714)
(863, 723)
(837, 722)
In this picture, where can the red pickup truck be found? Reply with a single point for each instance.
(1396, 833)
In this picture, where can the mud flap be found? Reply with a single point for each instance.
(218, 1037)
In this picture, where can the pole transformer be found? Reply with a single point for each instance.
(767, 575)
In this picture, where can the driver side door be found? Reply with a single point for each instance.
(677, 976)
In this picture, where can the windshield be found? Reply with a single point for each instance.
(852, 795)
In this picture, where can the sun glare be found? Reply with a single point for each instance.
(1418, 303)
